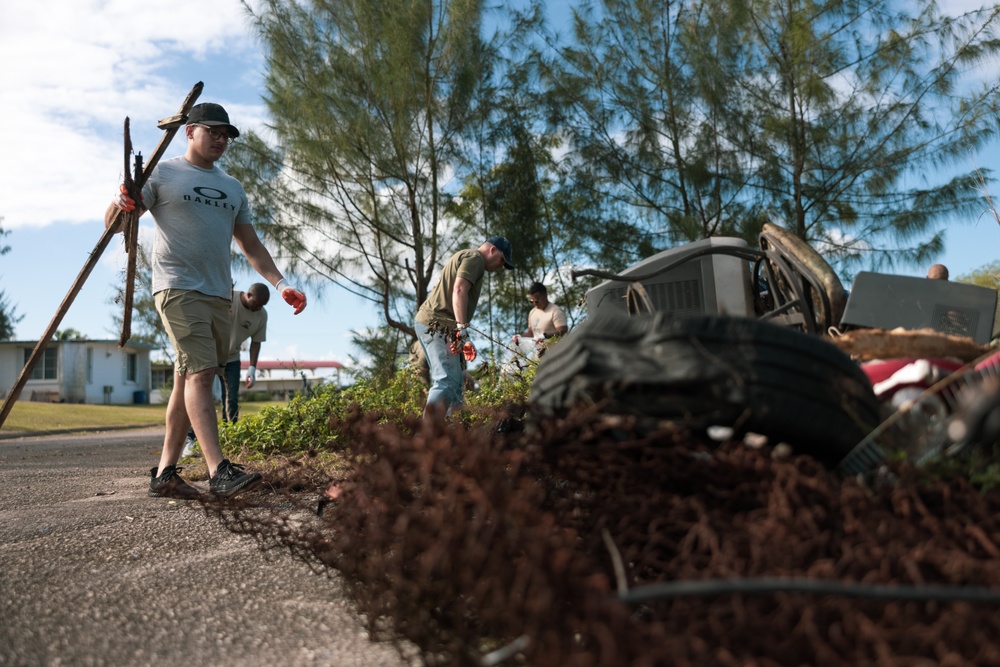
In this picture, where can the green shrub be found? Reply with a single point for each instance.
(301, 426)
(497, 389)
(304, 425)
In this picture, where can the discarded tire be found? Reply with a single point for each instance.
(750, 375)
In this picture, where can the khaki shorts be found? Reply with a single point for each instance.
(198, 326)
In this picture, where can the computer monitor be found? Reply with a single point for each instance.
(713, 283)
(886, 301)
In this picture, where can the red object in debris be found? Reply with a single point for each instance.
(889, 375)
(992, 361)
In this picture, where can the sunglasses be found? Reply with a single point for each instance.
(215, 132)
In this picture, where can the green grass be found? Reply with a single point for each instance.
(28, 418)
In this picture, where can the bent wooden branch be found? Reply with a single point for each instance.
(130, 229)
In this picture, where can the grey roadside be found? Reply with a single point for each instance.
(95, 572)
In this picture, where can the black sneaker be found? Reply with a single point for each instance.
(230, 479)
(170, 485)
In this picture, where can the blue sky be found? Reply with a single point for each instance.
(74, 69)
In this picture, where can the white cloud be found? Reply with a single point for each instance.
(74, 69)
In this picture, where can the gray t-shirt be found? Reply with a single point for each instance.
(196, 211)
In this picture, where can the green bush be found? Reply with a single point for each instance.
(300, 426)
(497, 389)
(304, 425)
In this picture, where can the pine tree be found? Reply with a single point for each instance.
(832, 118)
(372, 105)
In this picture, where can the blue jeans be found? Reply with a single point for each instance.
(445, 370)
(230, 398)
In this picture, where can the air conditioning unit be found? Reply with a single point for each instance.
(884, 301)
(712, 283)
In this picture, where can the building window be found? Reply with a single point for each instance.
(45, 369)
(132, 367)
(162, 377)
(90, 365)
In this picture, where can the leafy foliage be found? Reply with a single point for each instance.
(372, 105)
(707, 117)
(311, 422)
(984, 276)
(500, 386)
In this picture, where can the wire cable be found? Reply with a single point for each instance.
(768, 585)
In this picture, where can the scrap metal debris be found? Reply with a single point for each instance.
(470, 542)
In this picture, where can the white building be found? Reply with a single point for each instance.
(86, 371)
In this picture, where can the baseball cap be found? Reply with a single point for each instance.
(503, 245)
(211, 114)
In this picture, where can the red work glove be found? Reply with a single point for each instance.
(462, 345)
(123, 201)
(293, 297)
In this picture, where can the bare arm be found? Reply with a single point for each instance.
(254, 352)
(258, 256)
(460, 300)
(559, 321)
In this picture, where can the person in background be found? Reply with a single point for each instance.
(198, 210)
(442, 321)
(247, 319)
(545, 320)
(938, 272)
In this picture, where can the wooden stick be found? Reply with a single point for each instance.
(170, 129)
(130, 228)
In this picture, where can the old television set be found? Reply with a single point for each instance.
(703, 281)
(883, 301)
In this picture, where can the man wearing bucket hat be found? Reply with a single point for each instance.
(442, 321)
(198, 210)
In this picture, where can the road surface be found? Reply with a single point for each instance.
(94, 572)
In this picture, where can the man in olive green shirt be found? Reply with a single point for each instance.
(442, 321)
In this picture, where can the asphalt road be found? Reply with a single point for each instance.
(94, 572)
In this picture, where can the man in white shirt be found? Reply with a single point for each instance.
(545, 320)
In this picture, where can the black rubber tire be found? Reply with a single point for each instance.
(751, 375)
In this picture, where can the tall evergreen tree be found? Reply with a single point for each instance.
(829, 117)
(858, 105)
(371, 106)
(653, 126)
